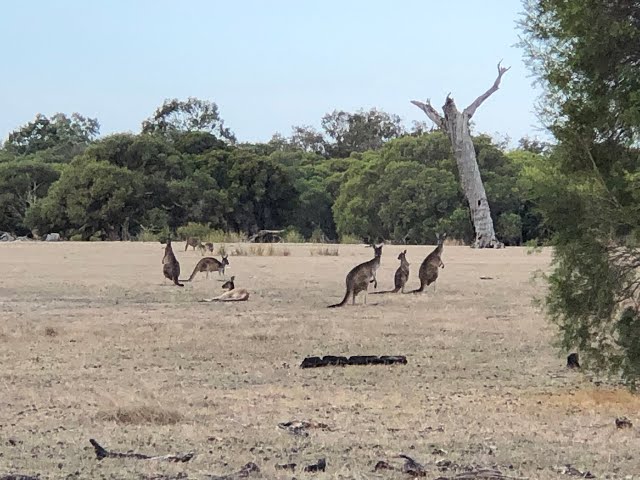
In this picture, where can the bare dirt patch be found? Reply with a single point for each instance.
(95, 344)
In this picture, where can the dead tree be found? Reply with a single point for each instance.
(456, 125)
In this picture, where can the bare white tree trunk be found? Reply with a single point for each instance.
(456, 125)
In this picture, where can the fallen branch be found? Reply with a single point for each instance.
(102, 452)
(332, 360)
(297, 427)
(484, 474)
(264, 234)
(17, 476)
(320, 466)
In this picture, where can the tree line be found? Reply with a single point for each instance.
(363, 175)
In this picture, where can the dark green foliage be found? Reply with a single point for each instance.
(587, 54)
(185, 168)
(22, 185)
(65, 136)
(92, 199)
(408, 190)
(177, 117)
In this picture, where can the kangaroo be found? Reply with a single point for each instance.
(192, 242)
(229, 285)
(401, 276)
(170, 265)
(209, 264)
(428, 273)
(209, 247)
(359, 278)
(235, 295)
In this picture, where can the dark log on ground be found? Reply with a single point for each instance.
(266, 236)
(102, 452)
(313, 362)
(317, 467)
(17, 476)
(286, 466)
(412, 467)
(332, 360)
(335, 360)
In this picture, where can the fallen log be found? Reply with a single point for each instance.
(102, 452)
(266, 236)
(17, 476)
(332, 360)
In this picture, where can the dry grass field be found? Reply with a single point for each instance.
(94, 343)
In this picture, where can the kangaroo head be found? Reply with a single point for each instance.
(402, 255)
(377, 249)
(225, 259)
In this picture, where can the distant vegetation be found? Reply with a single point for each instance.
(363, 177)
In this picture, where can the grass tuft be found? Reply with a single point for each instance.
(144, 414)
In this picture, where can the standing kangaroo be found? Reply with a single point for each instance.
(193, 242)
(170, 265)
(209, 247)
(428, 273)
(401, 276)
(359, 278)
(209, 264)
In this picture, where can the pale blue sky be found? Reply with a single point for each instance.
(267, 64)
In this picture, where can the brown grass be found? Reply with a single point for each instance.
(143, 414)
(260, 250)
(141, 365)
(50, 332)
(325, 251)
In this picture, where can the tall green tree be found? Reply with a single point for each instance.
(92, 199)
(587, 54)
(177, 117)
(22, 185)
(60, 131)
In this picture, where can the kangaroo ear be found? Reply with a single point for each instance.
(405, 252)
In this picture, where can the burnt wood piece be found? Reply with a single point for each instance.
(332, 360)
(102, 452)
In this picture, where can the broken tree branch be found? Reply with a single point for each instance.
(431, 112)
(471, 109)
(102, 452)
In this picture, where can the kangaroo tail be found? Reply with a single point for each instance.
(343, 302)
(418, 290)
(177, 282)
(395, 290)
(193, 274)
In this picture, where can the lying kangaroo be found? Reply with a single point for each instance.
(401, 276)
(170, 265)
(192, 242)
(359, 278)
(429, 269)
(235, 295)
(229, 285)
(209, 264)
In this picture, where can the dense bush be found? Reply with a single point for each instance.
(187, 176)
